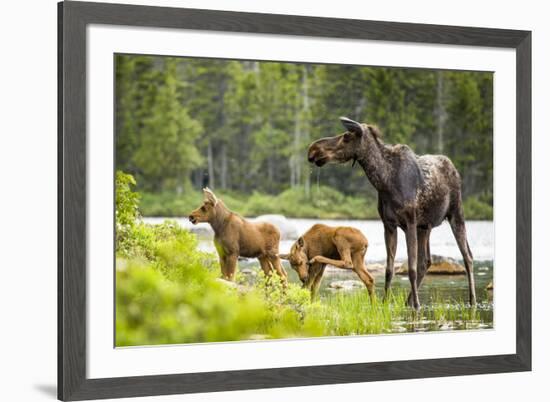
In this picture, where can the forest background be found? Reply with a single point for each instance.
(243, 127)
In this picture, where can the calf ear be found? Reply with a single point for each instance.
(301, 242)
(352, 126)
(284, 256)
(209, 196)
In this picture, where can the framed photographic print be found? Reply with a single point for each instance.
(257, 201)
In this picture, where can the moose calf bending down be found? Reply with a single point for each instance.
(342, 246)
(234, 236)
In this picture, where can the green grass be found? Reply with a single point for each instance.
(177, 299)
(322, 203)
(355, 314)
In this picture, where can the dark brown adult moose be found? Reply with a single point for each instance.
(415, 193)
(342, 247)
(234, 236)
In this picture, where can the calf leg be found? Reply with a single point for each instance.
(360, 269)
(229, 266)
(316, 271)
(344, 264)
(266, 266)
(390, 238)
(313, 270)
(276, 264)
(459, 231)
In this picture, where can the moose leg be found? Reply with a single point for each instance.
(229, 266)
(317, 271)
(362, 272)
(313, 270)
(427, 263)
(422, 263)
(459, 231)
(390, 238)
(224, 268)
(276, 264)
(266, 266)
(344, 264)
(412, 249)
(428, 253)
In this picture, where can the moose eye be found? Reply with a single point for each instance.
(203, 209)
(347, 137)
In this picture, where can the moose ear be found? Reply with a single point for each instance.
(284, 256)
(209, 196)
(300, 242)
(352, 126)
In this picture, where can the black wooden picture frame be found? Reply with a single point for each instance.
(73, 18)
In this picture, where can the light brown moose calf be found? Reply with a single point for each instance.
(234, 236)
(342, 247)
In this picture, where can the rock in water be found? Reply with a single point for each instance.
(227, 283)
(376, 268)
(232, 285)
(440, 266)
(346, 284)
(287, 229)
(248, 272)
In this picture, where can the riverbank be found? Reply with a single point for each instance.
(321, 203)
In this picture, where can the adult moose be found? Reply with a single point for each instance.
(415, 193)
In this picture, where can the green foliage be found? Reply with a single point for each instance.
(178, 299)
(155, 134)
(477, 208)
(322, 203)
(154, 310)
(126, 199)
(126, 212)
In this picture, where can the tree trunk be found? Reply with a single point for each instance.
(305, 128)
(294, 159)
(440, 113)
(210, 165)
(223, 175)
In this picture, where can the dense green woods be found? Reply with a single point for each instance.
(243, 127)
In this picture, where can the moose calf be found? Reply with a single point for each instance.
(234, 236)
(343, 247)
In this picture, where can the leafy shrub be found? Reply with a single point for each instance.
(167, 291)
(126, 211)
(323, 203)
(194, 306)
(126, 214)
(478, 208)
(154, 310)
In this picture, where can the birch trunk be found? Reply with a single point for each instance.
(440, 114)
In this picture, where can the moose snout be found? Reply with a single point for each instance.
(317, 154)
(192, 219)
(313, 153)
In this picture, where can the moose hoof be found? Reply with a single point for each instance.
(415, 304)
